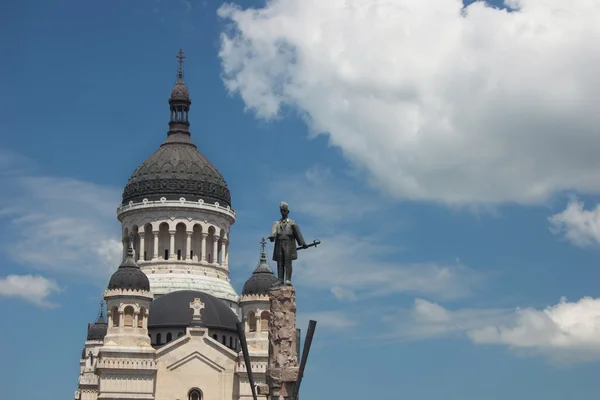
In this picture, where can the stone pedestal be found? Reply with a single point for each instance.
(282, 369)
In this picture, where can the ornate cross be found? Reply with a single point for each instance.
(197, 305)
(263, 243)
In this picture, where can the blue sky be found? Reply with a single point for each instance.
(446, 159)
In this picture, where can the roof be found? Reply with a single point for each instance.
(173, 310)
(262, 279)
(129, 275)
(177, 169)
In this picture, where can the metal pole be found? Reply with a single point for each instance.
(242, 335)
(309, 337)
(298, 333)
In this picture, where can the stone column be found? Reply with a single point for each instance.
(204, 235)
(215, 252)
(227, 254)
(188, 245)
(155, 255)
(142, 245)
(124, 242)
(172, 245)
(282, 369)
(223, 244)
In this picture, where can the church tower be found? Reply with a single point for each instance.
(126, 366)
(255, 310)
(176, 210)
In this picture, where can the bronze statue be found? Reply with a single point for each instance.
(286, 233)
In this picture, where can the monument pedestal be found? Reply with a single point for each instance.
(282, 369)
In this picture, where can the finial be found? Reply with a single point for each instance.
(101, 315)
(180, 56)
(263, 243)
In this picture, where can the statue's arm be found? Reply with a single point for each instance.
(273, 232)
(298, 235)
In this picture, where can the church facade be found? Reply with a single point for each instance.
(169, 330)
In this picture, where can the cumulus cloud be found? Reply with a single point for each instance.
(566, 332)
(490, 106)
(34, 289)
(59, 224)
(579, 226)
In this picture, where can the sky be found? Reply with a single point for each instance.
(445, 155)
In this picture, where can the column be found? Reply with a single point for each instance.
(142, 245)
(204, 235)
(155, 255)
(172, 245)
(188, 245)
(227, 254)
(223, 245)
(215, 252)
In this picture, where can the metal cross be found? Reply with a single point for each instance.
(263, 243)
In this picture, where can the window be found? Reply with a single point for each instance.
(231, 342)
(169, 337)
(115, 316)
(128, 317)
(195, 394)
(180, 334)
(214, 336)
(251, 322)
(210, 258)
(179, 254)
(140, 318)
(264, 321)
(158, 338)
(191, 254)
(224, 340)
(145, 255)
(166, 254)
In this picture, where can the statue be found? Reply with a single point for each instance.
(286, 233)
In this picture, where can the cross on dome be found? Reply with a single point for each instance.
(180, 57)
(197, 306)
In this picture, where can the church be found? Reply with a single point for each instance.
(169, 330)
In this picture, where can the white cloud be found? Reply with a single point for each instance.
(566, 332)
(59, 224)
(34, 289)
(579, 226)
(488, 107)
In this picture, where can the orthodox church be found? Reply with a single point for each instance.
(169, 331)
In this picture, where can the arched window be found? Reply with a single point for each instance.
(114, 314)
(158, 338)
(128, 317)
(214, 336)
(195, 394)
(264, 321)
(224, 340)
(140, 319)
(251, 322)
(180, 334)
(231, 342)
(169, 337)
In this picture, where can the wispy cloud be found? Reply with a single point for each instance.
(579, 226)
(58, 224)
(567, 332)
(360, 255)
(328, 320)
(30, 288)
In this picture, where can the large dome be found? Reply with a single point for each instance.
(177, 169)
(173, 310)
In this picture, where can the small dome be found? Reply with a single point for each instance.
(173, 310)
(97, 330)
(129, 275)
(262, 278)
(180, 92)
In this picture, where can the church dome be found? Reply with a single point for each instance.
(177, 169)
(173, 310)
(97, 330)
(129, 275)
(262, 278)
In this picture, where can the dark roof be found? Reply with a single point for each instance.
(97, 330)
(262, 278)
(177, 169)
(129, 275)
(173, 310)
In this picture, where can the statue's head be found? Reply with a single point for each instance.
(284, 208)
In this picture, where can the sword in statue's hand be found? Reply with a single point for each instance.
(315, 243)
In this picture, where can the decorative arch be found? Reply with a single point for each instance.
(114, 315)
(128, 316)
(195, 394)
(251, 322)
(264, 321)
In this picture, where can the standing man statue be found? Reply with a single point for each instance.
(285, 233)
